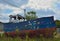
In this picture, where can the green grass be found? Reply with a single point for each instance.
(28, 39)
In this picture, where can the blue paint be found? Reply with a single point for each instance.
(45, 22)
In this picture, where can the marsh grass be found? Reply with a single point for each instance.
(40, 38)
(28, 39)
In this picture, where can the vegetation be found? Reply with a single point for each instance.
(41, 38)
(57, 23)
(31, 15)
(20, 36)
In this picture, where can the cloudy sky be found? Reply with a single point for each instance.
(43, 8)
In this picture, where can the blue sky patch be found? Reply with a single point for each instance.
(7, 11)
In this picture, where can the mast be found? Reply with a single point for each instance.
(25, 13)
